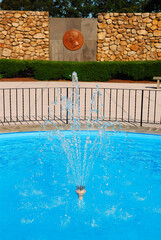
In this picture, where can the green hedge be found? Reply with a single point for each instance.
(87, 71)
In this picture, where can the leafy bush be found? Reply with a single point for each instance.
(87, 71)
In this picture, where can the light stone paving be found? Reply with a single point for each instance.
(43, 84)
(39, 127)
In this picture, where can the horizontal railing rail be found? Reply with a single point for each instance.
(106, 104)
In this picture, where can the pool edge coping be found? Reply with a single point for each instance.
(38, 128)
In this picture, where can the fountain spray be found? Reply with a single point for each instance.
(81, 162)
(80, 190)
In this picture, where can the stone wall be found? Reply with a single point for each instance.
(129, 36)
(24, 35)
(120, 36)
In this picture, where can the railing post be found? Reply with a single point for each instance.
(42, 107)
(142, 103)
(4, 107)
(10, 104)
(67, 107)
(85, 105)
(29, 106)
(155, 105)
(97, 105)
(16, 106)
(54, 103)
(36, 104)
(23, 104)
(48, 105)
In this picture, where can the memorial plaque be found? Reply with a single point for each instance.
(73, 39)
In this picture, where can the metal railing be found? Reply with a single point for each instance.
(111, 104)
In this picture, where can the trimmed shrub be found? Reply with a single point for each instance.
(87, 71)
(11, 68)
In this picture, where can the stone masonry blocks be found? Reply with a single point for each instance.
(129, 36)
(24, 35)
(111, 37)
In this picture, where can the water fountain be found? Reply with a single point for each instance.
(77, 150)
(39, 172)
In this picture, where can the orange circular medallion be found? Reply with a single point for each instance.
(73, 39)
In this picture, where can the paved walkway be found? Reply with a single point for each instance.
(44, 84)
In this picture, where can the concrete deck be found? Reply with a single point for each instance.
(38, 127)
(43, 84)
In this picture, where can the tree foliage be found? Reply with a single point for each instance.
(26, 5)
(82, 8)
(152, 6)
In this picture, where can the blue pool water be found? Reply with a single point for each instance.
(37, 192)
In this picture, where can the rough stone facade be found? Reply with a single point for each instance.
(120, 36)
(24, 35)
(129, 36)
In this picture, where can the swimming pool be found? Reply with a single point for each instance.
(37, 192)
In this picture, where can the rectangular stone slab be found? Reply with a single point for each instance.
(88, 28)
